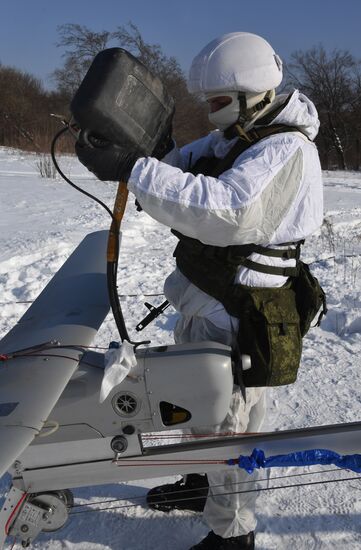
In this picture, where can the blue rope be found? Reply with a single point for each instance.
(301, 458)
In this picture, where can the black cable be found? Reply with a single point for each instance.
(190, 491)
(55, 139)
(114, 298)
(224, 494)
(112, 267)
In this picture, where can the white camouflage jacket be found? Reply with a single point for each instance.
(271, 195)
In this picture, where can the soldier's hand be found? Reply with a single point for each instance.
(108, 161)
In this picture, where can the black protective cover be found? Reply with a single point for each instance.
(122, 101)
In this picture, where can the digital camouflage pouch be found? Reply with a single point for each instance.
(269, 332)
(272, 322)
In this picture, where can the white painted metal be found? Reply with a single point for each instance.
(70, 310)
(194, 377)
(9, 511)
(172, 459)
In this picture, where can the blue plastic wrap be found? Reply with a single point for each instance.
(302, 458)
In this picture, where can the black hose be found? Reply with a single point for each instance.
(112, 267)
(114, 300)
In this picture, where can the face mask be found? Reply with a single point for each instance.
(231, 113)
(228, 115)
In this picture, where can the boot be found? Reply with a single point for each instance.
(189, 493)
(215, 542)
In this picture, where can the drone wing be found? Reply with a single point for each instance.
(45, 346)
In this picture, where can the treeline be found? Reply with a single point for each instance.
(25, 109)
(331, 80)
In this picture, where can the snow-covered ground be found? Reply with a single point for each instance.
(42, 221)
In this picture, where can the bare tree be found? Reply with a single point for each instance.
(151, 55)
(190, 121)
(331, 80)
(82, 44)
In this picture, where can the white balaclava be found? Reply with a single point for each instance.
(242, 66)
(240, 110)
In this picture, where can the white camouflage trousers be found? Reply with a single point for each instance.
(227, 513)
(204, 318)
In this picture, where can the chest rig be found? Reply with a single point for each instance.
(213, 268)
(272, 321)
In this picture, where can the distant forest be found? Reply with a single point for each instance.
(332, 80)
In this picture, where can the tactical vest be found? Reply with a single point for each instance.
(272, 321)
(213, 268)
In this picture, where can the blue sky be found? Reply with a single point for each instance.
(28, 28)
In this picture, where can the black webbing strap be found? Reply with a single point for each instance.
(240, 251)
(285, 254)
(246, 140)
(269, 269)
(238, 254)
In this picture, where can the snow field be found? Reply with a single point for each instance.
(43, 220)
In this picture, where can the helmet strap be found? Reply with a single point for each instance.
(246, 113)
(242, 133)
(265, 101)
(246, 116)
(243, 111)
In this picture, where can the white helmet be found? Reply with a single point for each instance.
(234, 63)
